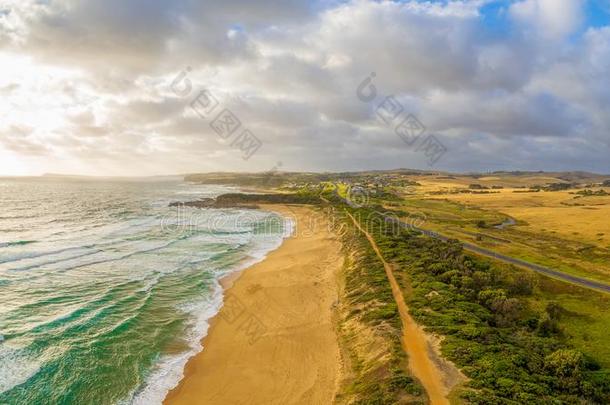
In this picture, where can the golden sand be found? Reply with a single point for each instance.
(274, 340)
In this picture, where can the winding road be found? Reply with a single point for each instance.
(583, 282)
(556, 274)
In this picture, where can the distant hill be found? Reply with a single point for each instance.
(277, 178)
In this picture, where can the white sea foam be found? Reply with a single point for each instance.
(170, 369)
(15, 367)
(117, 257)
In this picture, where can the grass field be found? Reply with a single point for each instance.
(510, 330)
(506, 344)
(559, 213)
(586, 320)
(560, 229)
(586, 317)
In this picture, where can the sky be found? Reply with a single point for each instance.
(149, 87)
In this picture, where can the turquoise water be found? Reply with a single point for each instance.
(105, 291)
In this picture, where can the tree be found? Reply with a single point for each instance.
(568, 366)
(565, 362)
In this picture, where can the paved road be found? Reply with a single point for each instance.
(583, 282)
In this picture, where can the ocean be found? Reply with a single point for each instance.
(106, 291)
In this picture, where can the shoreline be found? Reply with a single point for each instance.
(157, 386)
(274, 338)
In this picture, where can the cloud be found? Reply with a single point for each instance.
(134, 35)
(551, 19)
(92, 81)
(18, 139)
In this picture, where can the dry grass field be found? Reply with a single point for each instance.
(584, 219)
(563, 229)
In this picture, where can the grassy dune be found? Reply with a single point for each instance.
(518, 336)
(498, 324)
(369, 327)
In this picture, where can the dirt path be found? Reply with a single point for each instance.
(437, 380)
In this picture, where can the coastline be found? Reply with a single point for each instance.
(274, 339)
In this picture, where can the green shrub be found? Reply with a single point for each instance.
(512, 353)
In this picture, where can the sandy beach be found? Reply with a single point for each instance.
(274, 340)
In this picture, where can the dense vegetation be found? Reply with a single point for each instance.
(231, 200)
(511, 352)
(291, 198)
(512, 337)
(370, 330)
